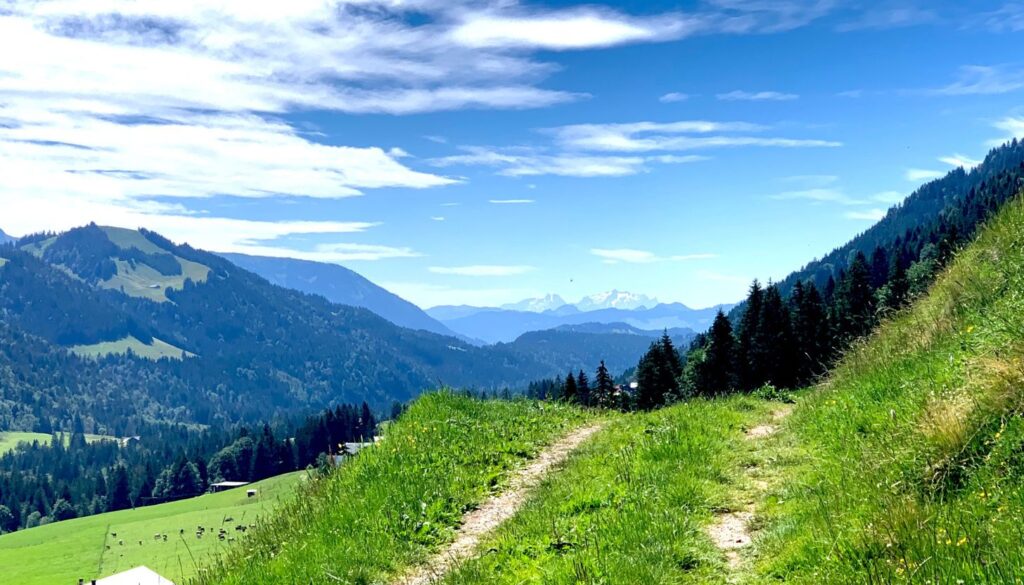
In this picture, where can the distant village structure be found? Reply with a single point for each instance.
(140, 575)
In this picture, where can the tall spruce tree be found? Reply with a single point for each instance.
(604, 388)
(810, 332)
(717, 372)
(854, 302)
(583, 388)
(750, 356)
(774, 341)
(570, 393)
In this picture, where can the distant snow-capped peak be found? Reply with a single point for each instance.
(547, 302)
(615, 299)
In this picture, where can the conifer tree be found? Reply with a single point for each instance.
(810, 332)
(717, 371)
(854, 301)
(774, 342)
(570, 393)
(583, 389)
(119, 496)
(749, 355)
(604, 388)
(649, 394)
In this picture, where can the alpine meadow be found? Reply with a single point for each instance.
(509, 292)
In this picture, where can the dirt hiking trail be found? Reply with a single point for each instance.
(731, 530)
(497, 509)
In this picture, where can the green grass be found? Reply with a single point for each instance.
(629, 507)
(65, 551)
(156, 350)
(395, 503)
(907, 465)
(10, 439)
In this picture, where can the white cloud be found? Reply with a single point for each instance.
(959, 160)
(512, 201)
(625, 255)
(437, 217)
(337, 252)
(756, 96)
(1008, 18)
(482, 270)
(869, 214)
(1012, 127)
(529, 162)
(632, 256)
(890, 17)
(568, 29)
(983, 80)
(674, 97)
(820, 195)
(922, 174)
(889, 196)
(683, 135)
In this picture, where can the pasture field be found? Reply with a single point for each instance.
(86, 548)
(154, 351)
(10, 439)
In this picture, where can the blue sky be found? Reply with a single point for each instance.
(476, 151)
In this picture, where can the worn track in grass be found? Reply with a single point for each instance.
(497, 509)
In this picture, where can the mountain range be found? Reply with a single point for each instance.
(496, 325)
(339, 285)
(119, 326)
(4, 238)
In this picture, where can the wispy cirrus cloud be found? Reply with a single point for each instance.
(682, 135)
(819, 195)
(922, 174)
(866, 215)
(756, 96)
(983, 80)
(1011, 126)
(530, 161)
(634, 256)
(482, 270)
(959, 160)
(673, 97)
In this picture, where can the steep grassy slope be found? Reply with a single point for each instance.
(909, 461)
(398, 500)
(85, 548)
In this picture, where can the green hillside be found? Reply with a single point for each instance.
(396, 502)
(86, 548)
(904, 465)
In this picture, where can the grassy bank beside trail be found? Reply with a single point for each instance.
(631, 506)
(911, 455)
(86, 548)
(396, 502)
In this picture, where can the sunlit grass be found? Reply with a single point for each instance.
(631, 506)
(396, 502)
(913, 450)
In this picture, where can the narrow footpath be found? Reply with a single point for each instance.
(497, 509)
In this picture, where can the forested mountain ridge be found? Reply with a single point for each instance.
(951, 202)
(339, 285)
(259, 349)
(580, 347)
